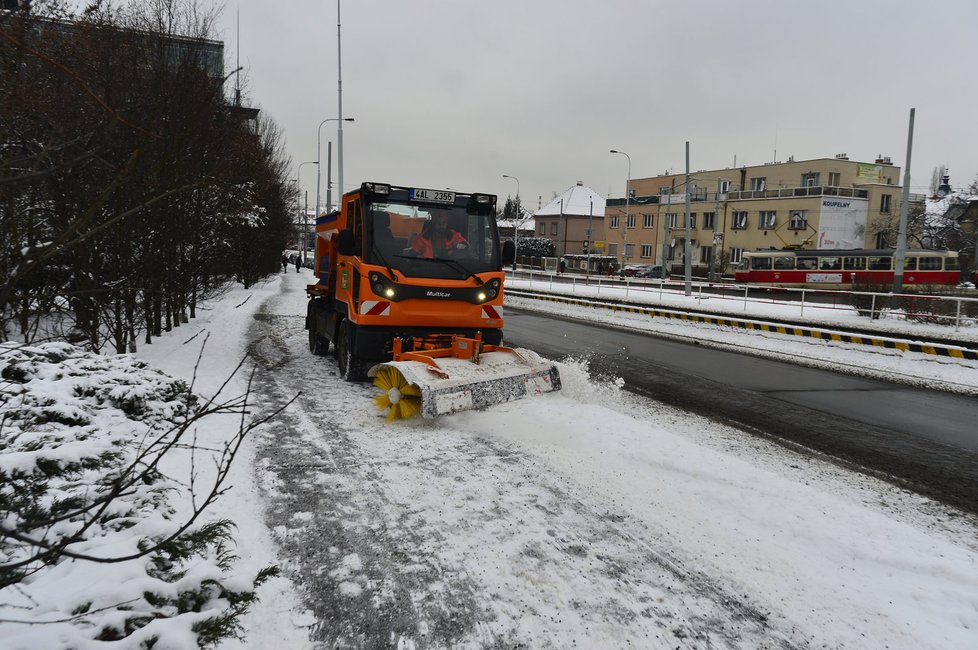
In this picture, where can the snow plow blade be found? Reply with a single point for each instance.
(438, 381)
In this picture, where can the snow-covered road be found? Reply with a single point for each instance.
(586, 518)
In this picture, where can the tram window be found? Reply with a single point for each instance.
(807, 263)
(855, 263)
(930, 264)
(910, 264)
(952, 264)
(784, 262)
(880, 264)
(760, 263)
(830, 263)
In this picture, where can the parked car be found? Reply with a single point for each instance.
(650, 271)
(642, 271)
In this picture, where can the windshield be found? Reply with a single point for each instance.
(445, 241)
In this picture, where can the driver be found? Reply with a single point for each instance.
(437, 239)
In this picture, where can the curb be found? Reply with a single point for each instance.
(950, 351)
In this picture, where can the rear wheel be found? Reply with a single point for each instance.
(318, 344)
(350, 366)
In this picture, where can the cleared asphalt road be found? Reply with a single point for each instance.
(924, 440)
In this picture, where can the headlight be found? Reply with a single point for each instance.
(382, 286)
(481, 296)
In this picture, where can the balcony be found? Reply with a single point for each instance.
(793, 192)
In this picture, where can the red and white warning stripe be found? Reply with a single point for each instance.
(488, 311)
(375, 308)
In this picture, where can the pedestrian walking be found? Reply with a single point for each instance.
(285, 263)
(298, 263)
(561, 267)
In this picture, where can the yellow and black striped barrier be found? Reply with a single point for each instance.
(935, 349)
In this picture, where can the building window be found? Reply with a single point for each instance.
(811, 179)
(881, 241)
(835, 179)
(553, 228)
(885, 203)
(671, 219)
(709, 220)
(665, 190)
(739, 221)
(613, 225)
(799, 220)
(630, 221)
(646, 220)
(613, 249)
(647, 250)
(706, 254)
(629, 251)
(758, 184)
(736, 254)
(724, 187)
(692, 220)
(543, 228)
(769, 219)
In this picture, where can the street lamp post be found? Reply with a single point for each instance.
(302, 239)
(628, 196)
(318, 152)
(516, 222)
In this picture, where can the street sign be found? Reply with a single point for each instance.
(599, 244)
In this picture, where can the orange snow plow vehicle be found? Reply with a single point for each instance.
(410, 293)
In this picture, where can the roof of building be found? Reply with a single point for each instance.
(579, 200)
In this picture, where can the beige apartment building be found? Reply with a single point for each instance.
(824, 203)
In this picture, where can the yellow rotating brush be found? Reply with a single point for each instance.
(403, 399)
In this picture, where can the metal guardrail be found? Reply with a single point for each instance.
(874, 340)
(921, 308)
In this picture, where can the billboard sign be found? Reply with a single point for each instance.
(868, 173)
(842, 222)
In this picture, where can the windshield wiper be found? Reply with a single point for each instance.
(384, 260)
(455, 264)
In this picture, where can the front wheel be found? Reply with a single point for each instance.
(350, 366)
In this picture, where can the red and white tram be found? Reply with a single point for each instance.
(835, 269)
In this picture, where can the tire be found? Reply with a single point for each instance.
(318, 344)
(351, 368)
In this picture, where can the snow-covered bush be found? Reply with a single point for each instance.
(97, 543)
(536, 247)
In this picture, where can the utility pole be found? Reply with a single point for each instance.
(590, 238)
(329, 176)
(688, 247)
(339, 94)
(901, 249)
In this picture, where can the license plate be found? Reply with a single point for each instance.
(432, 196)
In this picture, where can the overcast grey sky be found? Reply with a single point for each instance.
(456, 93)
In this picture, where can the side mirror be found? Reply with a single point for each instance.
(345, 243)
(509, 252)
